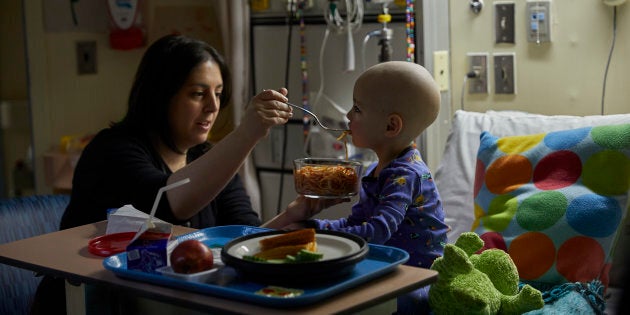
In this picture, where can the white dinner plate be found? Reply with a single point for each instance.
(331, 246)
(341, 252)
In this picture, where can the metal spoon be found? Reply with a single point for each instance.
(316, 119)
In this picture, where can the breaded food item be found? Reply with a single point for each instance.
(282, 251)
(278, 247)
(296, 237)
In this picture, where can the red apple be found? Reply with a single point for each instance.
(191, 256)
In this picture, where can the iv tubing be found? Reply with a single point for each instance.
(365, 41)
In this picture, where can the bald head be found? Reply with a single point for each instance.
(405, 88)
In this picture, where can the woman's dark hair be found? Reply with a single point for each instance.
(163, 70)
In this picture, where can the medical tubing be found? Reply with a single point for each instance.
(285, 131)
(612, 48)
(334, 22)
(354, 16)
(366, 39)
(321, 69)
(349, 53)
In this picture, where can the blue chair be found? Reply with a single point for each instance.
(24, 217)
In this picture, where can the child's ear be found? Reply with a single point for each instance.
(394, 125)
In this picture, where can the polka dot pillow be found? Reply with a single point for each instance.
(554, 201)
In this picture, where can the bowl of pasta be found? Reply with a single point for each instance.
(326, 177)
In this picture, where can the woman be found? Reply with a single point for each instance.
(179, 88)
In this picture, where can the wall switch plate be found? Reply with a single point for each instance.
(539, 21)
(504, 73)
(504, 22)
(440, 69)
(478, 64)
(86, 57)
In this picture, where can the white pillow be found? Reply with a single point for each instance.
(455, 174)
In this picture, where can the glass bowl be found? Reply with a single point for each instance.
(326, 177)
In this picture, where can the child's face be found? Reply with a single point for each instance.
(367, 119)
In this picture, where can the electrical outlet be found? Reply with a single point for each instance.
(539, 18)
(478, 64)
(504, 21)
(440, 69)
(86, 57)
(504, 73)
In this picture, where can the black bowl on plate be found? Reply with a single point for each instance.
(342, 251)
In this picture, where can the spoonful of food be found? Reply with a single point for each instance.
(316, 118)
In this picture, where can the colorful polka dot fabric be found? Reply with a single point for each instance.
(554, 201)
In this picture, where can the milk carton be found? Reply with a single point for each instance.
(148, 250)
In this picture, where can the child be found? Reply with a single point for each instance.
(399, 205)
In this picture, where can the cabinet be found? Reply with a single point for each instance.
(59, 169)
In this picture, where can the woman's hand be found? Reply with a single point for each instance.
(265, 110)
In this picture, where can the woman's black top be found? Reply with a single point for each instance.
(120, 167)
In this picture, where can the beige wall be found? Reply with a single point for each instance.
(12, 57)
(564, 77)
(63, 102)
(561, 77)
(13, 88)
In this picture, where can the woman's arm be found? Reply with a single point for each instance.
(212, 171)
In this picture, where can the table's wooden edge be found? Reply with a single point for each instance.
(393, 294)
(310, 308)
(160, 293)
(73, 278)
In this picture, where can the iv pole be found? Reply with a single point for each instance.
(384, 34)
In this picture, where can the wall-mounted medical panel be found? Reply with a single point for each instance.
(539, 21)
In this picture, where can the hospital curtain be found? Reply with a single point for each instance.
(234, 24)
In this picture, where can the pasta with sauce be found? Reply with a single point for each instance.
(345, 141)
(326, 180)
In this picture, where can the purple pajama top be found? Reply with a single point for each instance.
(401, 208)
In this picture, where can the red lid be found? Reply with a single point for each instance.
(126, 39)
(110, 244)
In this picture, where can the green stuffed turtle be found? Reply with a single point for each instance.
(485, 283)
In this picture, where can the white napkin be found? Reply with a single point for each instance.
(127, 219)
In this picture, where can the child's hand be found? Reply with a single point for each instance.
(300, 209)
(303, 208)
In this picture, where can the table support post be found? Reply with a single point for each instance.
(75, 299)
